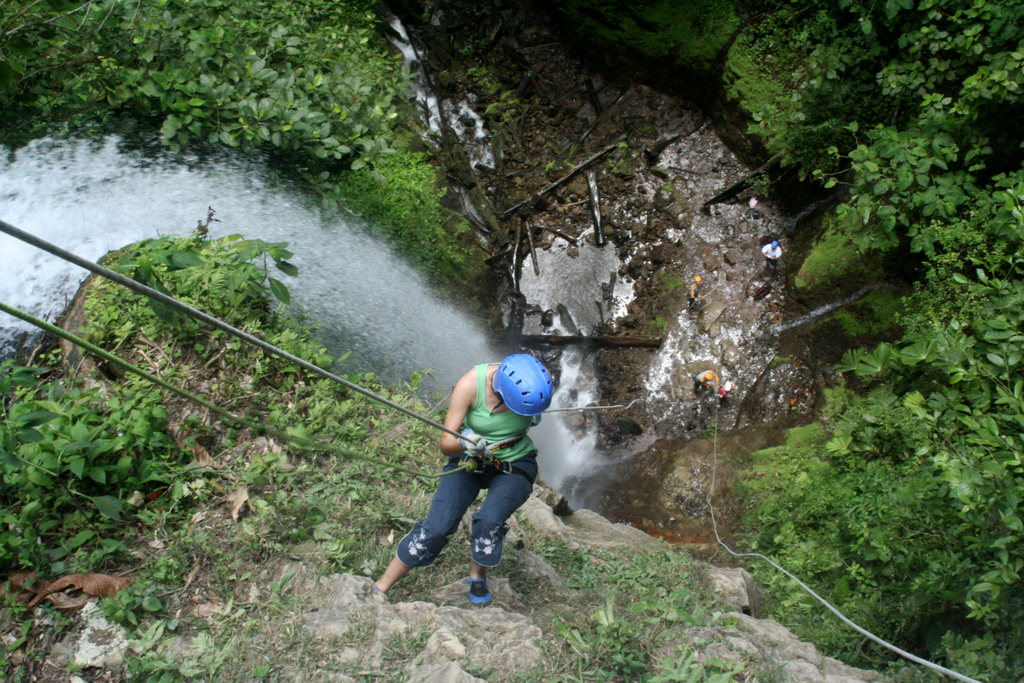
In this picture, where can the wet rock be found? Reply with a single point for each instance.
(578, 187)
(710, 314)
(662, 254)
(664, 197)
(556, 501)
(628, 427)
(728, 353)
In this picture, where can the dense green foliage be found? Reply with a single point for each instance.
(907, 510)
(73, 456)
(686, 36)
(911, 513)
(919, 100)
(317, 83)
(312, 85)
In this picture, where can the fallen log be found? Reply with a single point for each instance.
(533, 250)
(600, 340)
(739, 186)
(571, 240)
(595, 207)
(561, 181)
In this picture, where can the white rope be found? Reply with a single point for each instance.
(823, 601)
(565, 410)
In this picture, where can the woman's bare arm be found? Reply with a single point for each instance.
(463, 397)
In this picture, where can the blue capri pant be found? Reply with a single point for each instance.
(455, 493)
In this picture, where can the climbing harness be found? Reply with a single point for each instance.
(864, 632)
(229, 417)
(475, 463)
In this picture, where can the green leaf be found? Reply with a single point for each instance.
(109, 506)
(280, 291)
(34, 419)
(287, 268)
(79, 539)
(98, 474)
(77, 467)
(151, 604)
(164, 312)
(30, 435)
(186, 259)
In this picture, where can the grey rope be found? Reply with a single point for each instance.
(208, 319)
(823, 601)
(565, 410)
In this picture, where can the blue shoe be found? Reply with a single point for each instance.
(478, 592)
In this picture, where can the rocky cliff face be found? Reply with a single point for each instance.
(505, 640)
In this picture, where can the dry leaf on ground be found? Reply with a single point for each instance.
(238, 500)
(17, 581)
(102, 585)
(208, 609)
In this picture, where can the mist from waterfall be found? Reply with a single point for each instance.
(91, 197)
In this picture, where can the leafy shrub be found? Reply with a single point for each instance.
(319, 82)
(910, 512)
(70, 457)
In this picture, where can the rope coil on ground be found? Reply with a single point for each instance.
(823, 601)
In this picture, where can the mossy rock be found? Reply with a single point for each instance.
(834, 258)
(874, 314)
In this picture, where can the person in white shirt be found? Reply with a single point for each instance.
(772, 252)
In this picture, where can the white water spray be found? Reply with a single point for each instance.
(822, 310)
(91, 198)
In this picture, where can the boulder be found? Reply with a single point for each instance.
(486, 639)
(710, 314)
(736, 587)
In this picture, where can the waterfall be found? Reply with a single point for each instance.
(575, 286)
(91, 197)
(822, 310)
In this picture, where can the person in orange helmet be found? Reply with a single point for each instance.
(694, 295)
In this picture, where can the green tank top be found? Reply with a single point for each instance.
(496, 427)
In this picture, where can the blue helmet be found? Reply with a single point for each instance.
(775, 244)
(524, 384)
